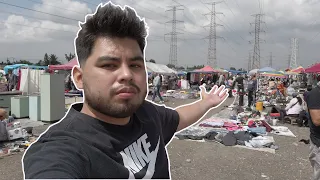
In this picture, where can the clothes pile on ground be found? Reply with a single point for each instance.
(236, 126)
(181, 94)
(13, 147)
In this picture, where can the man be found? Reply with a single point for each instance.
(3, 126)
(313, 103)
(252, 87)
(304, 115)
(157, 86)
(239, 81)
(221, 80)
(12, 80)
(115, 133)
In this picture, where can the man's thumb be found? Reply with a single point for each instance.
(202, 89)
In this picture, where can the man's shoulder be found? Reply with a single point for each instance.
(152, 108)
(313, 94)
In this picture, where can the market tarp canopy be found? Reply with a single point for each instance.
(68, 66)
(237, 72)
(276, 74)
(299, 69)
(206, 69)
(159, 68)
(17, 66)
(313, 69)
(180, 73)
(266, 69)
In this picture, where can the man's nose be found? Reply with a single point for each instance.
(125, 73)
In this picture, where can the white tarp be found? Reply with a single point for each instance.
(159, 68)
(30, 80)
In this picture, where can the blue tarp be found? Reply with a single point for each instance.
(237, 72)
(180, 73)
(17, 66)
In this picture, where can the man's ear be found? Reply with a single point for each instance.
(77, 77)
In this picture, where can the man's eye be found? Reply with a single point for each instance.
(109, 66)
(136, 66)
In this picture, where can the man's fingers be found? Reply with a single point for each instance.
(219, 90)
(213, 89)
(202, 89)
(224, 94)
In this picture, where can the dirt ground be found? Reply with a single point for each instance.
(205, 160)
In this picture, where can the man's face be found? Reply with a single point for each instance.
(114, 77)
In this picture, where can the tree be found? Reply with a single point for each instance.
(46, 60)
(8, 62)
(171, 66)
(152, 61)
(233, 68)
(40, 63)
(53, 59)
(70, 56)
(23, 62)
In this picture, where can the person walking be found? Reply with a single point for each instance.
(157, 86)
(252, 87)
(313, 103)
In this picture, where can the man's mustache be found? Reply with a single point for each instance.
(130, 85)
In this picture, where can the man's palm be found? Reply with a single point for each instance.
(215, 96)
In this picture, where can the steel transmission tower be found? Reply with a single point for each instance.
(289, 59)
(271, 60)
(212, 46)
(173, 56)
(250, 62)
(293, 55)
(256, 48)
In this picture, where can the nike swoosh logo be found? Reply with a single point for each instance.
(151, 165)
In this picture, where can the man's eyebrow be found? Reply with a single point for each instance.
(107, 58)
(137, 58)
(110, 58)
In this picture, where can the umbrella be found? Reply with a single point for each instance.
(253, 71)
(266, 69)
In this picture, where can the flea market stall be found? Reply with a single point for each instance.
(70, 90)
(251, 128)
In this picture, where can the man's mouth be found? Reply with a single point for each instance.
(127, 92)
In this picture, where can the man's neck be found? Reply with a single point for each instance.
(86, 109)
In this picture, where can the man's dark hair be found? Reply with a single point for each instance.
(109, 21)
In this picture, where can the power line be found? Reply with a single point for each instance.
(38, 11)
(56, 7)
(37, 27)
(212, 46)
(31, 17)
(229, 8)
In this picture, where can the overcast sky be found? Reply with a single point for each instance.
(28, 34)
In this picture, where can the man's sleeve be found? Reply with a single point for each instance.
(170, 121)
(313, 99)
(62, 159)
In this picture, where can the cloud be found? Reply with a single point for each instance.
(283, 19)
(21, 30)
(67, 8)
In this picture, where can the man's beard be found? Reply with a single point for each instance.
(115, 109)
